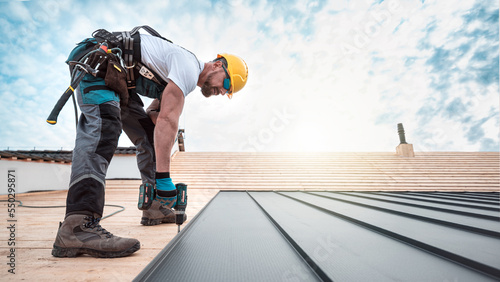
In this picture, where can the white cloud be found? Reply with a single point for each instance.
(337, 78)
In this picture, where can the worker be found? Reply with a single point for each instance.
(102, 115)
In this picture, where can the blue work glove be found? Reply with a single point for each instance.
(166, 193)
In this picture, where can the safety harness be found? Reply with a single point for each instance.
(130, 44)
(115, 57)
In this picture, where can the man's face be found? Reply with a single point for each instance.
(214, 85)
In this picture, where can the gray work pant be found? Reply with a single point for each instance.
(97, 136)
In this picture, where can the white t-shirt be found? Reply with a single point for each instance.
(171, 62)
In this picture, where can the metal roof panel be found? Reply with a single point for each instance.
(231, 240)
(299, 236)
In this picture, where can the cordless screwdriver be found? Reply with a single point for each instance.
(180, 207)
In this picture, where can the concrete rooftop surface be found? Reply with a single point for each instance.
(208, 173)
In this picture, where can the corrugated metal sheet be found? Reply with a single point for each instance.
(341, 236)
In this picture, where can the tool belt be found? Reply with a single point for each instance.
(99, 60)
(116, 58)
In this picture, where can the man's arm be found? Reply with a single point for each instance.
(172, 102)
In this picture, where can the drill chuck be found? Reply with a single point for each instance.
(179, 217)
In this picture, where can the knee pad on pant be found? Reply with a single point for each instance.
(111, 129)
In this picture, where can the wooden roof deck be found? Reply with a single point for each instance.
(339, 171)
(206, 174)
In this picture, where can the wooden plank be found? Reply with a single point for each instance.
(36, 230)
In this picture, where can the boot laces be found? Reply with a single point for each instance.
(93, 222)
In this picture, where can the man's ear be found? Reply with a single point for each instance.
(217, 64)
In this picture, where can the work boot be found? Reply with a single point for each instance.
(82, 234)
(158, 214)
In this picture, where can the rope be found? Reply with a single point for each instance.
(52, 207)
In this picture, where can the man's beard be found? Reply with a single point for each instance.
(207, 88)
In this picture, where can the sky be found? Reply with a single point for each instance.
(323, 75)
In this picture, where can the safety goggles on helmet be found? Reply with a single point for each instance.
(227, 81)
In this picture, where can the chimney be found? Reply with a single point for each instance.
(403, 149)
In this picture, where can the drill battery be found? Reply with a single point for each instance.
(146, 196)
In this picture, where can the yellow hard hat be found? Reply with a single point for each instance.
(238, 72)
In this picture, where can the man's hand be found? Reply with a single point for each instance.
(153, 110)
(165, 184)
(167, 124)
(166, 192)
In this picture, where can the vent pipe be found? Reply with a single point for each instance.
(403, 149)
(401, 132)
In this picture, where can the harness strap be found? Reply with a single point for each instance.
(128, 56)
(130, 44)
(150, 30)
